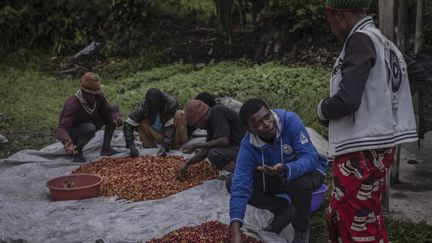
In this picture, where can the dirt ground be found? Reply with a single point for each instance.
(411, 198)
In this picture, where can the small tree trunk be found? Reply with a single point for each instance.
(242, 12)
(223, 11)
(386, 18)
(218, 14)
(418, 42)
(228, 20)
(401, 27)
(257, 6)
(386, 24)
(394, 176)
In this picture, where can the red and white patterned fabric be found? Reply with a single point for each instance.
(355, 213)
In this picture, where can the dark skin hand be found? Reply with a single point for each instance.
(162, 152)
(272, 170)
(200, 156)
(235, 233)
(190, 149)
(70, 147)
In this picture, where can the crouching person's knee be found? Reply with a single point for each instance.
(217, 158)
(88, 130)
(179, 117)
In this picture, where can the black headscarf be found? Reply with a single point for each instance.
(154, 99)
(206, 98)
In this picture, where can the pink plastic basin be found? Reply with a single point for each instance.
(83, 186)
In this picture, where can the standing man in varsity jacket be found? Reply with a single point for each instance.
(369, 111)
(276, 156)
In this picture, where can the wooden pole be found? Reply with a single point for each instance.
(400, 37)
(401, 24)
(386, 25)
(418, 42)
(394, 177)
(386, 18)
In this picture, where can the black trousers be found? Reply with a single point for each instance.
(300, 191)
(84, 132)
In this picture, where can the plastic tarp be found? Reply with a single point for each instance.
(27, 213)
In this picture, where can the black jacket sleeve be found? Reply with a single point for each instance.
(140, 112)
(128, 134)
(360, 57)
(134, 119)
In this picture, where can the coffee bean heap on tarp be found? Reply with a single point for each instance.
(147, 177)
(213, 231)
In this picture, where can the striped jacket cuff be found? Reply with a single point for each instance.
(132, 122)
(236, 220)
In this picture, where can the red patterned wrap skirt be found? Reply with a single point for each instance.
(355, 213)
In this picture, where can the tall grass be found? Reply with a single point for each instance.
(30, 102)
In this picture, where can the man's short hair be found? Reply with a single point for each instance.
(153, 96)
(206, 98)
(249, 108)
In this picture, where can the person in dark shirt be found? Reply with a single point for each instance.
(158, 121)
(224, 133)
(83, 114)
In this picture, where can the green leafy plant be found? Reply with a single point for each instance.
(296, 89)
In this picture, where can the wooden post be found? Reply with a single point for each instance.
(400, 37)
(418, 42)
(242, 13)
(386, 25)
(394, 177)
(386, 18)
(385, 203)
(418, 46)
(401, 24)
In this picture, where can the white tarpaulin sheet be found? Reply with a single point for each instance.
(27, 213)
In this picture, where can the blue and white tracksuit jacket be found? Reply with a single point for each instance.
(292, 147)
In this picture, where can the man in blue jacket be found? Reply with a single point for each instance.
(276, 156)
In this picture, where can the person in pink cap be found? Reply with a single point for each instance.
(224, 133)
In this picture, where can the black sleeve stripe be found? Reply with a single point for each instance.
(411, 135)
